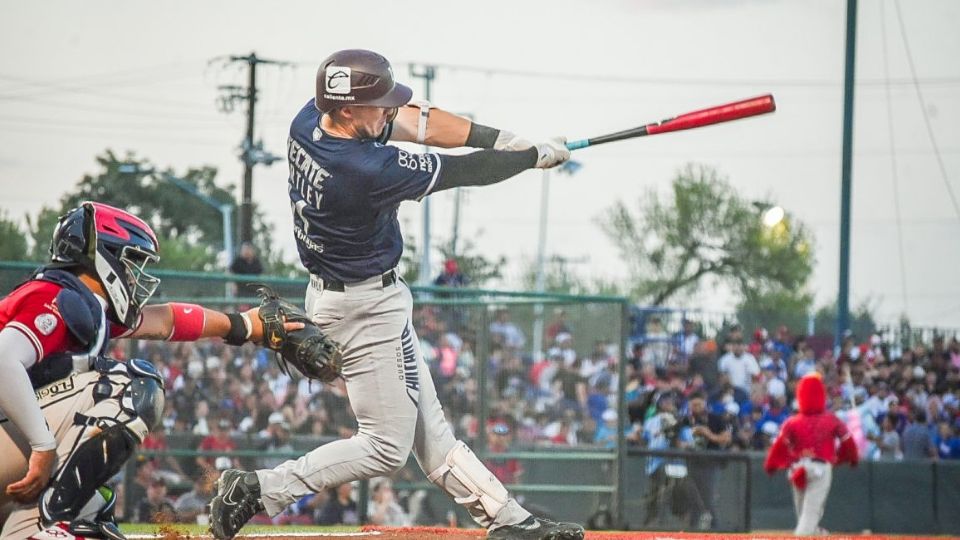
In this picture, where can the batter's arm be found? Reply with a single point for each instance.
(444, 129)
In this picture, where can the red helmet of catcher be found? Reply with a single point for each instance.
(358, 77)
(116, 247)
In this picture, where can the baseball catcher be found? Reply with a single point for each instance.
(69, 416)
(807, 447)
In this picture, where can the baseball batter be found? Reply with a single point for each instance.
(345, 187)
(69, 416)
(808, 446)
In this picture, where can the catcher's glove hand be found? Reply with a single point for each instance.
(311, 351)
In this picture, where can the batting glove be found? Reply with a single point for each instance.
(552, 153)
(511, 141)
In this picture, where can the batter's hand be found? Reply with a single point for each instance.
(552, 153)
(39, 470)
(511, 141)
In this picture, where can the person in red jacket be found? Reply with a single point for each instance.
(807, 446)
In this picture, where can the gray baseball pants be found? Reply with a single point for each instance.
(392, 395)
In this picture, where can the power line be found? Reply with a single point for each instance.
(923, 108)
(893, 160)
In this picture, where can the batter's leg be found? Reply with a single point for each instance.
(384, 404)
(446, 461)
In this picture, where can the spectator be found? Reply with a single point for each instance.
(947, 441)
(138, 488)
(708, 431)
(917, 443)
(247, 262)
(504, 333)
(155, 507)
(218, 441)
(558, 325)
(191, 507)
(688, 338)
(499, 438)
(606, 434)
(739, 366)
(656, 344)
(276, 441)
(383, 507)
(340, 509)
(451, 275)
(889, 443)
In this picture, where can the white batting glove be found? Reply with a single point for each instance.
(552, 153)
(511, 141)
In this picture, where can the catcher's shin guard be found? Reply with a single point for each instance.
(471, 484)
(95, 461)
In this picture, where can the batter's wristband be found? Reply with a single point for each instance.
(238, 333)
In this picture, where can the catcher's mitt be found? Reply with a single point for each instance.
(314, 354)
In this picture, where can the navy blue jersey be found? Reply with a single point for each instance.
(345, 194)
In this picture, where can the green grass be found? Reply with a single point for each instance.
(187, 528)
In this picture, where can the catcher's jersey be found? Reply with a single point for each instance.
(345, 194)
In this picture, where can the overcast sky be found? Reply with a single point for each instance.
(80, 77)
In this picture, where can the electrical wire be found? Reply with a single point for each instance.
(670, 81)
(893, 161)
(923, 108)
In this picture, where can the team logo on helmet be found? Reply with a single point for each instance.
(338, 80)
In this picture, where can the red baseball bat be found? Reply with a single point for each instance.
(704, 117)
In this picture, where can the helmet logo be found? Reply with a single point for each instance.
(338, 80)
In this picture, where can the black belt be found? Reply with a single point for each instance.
(388, 278)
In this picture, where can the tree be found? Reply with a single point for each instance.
(705, 229)
(863, 323)
(13, 243)
(774, 308)
(560, 278)
(479, 269)
(190, 231)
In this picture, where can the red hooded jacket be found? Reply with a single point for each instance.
(812, 433)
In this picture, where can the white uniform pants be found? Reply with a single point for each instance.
(391, 393)
(808, 503)
(60, 401)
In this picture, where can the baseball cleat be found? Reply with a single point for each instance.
(237, 500)
(534, 528)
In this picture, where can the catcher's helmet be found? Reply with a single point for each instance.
(358, 77)
(113, 245)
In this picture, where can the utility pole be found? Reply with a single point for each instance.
(252, 153)
(457, 202)
(427, 73)
(846, 185)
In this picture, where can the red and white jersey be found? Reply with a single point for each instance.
(32, 310)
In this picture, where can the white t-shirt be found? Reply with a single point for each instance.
(740, 369)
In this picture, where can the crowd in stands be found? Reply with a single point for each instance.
(904, 404)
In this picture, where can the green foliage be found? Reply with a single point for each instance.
(178, 254)
(771, 309)
(13, 242)
(559, 277)
(863, 323)
(479, 269)
(40, 230)
(705, 229)
(190, 231)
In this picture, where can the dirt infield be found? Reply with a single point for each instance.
(437, 533)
